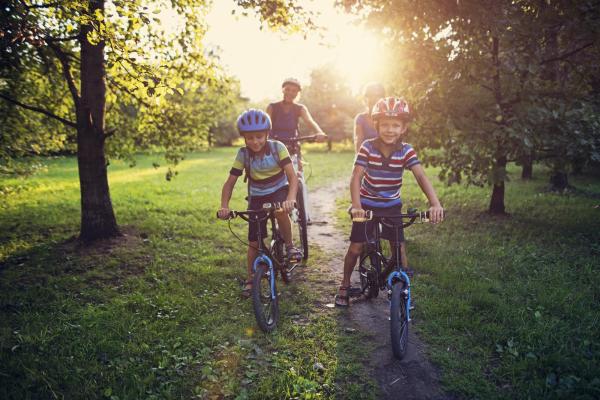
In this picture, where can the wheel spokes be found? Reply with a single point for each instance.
(266, 299)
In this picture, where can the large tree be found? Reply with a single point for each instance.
(114, 50)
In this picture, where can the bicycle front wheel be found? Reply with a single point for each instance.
(302, 225)
(399, 320)
(266, 306)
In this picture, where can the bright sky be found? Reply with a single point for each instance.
(263, 59)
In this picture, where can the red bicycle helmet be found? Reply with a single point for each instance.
(392, 107)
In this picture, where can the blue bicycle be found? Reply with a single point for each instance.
(378, 272)
(269, 261)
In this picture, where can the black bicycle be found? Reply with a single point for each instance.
(378, 273)
(269, 261)
(302, 221)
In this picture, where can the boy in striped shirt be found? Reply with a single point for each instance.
(376, 182)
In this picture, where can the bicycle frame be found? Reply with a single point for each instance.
(375, 253)
(264, 254)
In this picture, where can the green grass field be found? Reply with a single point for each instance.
(509, 307)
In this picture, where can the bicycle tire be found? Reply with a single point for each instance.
(368, 278)
(399, 320)
(302, 225)
(266, 308)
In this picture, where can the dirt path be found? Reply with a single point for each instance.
(412, 378)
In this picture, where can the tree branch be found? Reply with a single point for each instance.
(40, 110)
(64, 60)
(567, 54)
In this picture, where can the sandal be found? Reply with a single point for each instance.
(342, 300)
(247, 290)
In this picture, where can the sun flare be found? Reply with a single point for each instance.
(357, 56)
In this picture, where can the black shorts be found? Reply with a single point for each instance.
(256, 203)
(365, 231)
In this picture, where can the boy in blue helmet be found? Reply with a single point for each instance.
(271, 179)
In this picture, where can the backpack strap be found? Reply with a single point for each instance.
(274, 150)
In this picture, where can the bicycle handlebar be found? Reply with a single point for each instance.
(267, 208)
(422, 216)
(297, 139)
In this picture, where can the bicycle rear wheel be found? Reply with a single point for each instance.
(266, 306)
(399, 320)
(368, 277)
(302, 226)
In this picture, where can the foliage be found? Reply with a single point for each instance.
(330, 102)
(167, 96)
(287, 15)
(478, 73)
(225, 131)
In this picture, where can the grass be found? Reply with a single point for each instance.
(156, 314)
(507, 306)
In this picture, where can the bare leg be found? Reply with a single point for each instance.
(354, 251)
(403, 257)
(285, 227)
(252, 254)
(342, 298)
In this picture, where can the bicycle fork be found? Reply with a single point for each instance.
(393, 279)
(266, 260)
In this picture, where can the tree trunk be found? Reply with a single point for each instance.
(497, 201)
(97, 217)
(559, 181)
(527, 171)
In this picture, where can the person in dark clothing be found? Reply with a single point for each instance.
(285, 115)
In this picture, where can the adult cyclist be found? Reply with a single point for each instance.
(285, 115)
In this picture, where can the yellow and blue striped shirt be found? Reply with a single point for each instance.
(266, 173)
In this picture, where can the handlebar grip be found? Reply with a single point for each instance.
(368, 216)
(232, 214)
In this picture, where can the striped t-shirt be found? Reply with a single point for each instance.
(380, 186)
(266, 174)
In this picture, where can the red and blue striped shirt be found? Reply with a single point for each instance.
(381, 183)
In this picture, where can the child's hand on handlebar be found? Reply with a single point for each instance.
(358, 214)
(436, 214)
(321, 137)
(288, 205)
(223, 213)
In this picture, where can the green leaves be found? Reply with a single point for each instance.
(482, 90)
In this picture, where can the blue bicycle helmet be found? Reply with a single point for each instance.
(253, 121)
